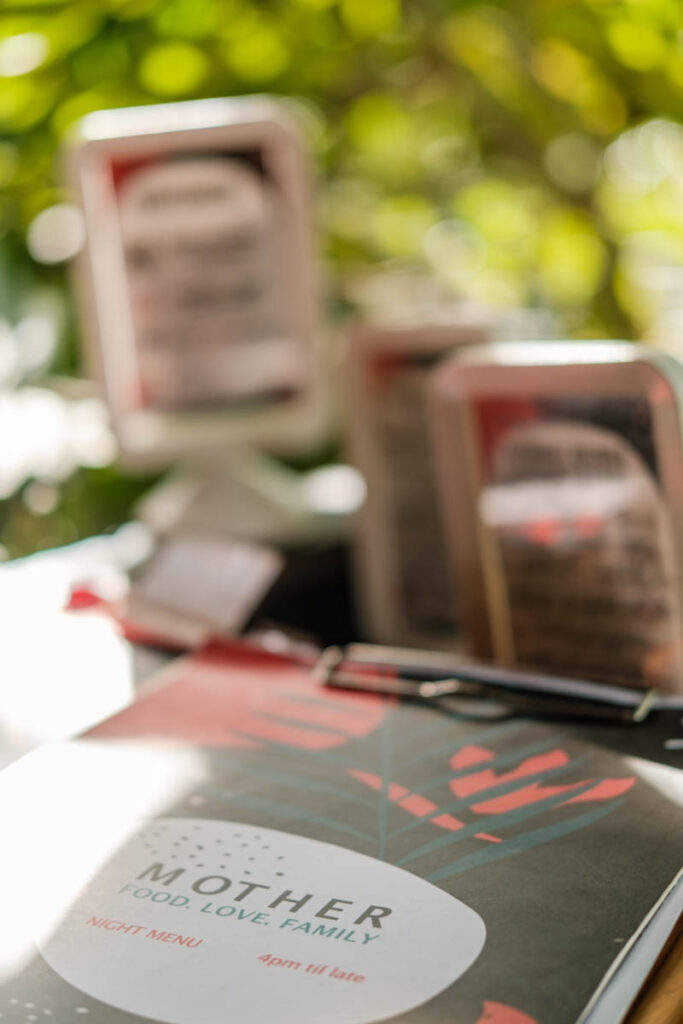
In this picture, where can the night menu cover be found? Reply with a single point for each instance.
(241, 847)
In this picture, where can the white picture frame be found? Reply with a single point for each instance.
(212, 139)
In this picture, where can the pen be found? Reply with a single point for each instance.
(435, 676)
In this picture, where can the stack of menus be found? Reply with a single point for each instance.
(243, 845)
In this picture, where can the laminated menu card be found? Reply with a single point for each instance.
(243, 846)
(404, 585)
(560, 470)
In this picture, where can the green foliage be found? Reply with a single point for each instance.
(521, 151)
(415, 109)
(89, 502)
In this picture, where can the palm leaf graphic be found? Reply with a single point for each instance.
(521, 843)
(503, 789)
(298, 755)
(497, 821)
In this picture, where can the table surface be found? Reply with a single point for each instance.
(661, 1002)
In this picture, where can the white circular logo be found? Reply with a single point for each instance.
(206, 920)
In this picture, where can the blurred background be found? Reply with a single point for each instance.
(526, 153)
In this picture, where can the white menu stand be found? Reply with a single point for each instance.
(247, 495)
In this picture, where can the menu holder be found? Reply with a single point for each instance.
(404, 588)
(561, 473)
(196, 281)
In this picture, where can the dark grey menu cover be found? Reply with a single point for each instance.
(241, 847)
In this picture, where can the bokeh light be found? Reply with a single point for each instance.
(56, 234)
(22, 53)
